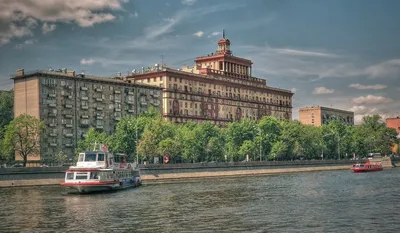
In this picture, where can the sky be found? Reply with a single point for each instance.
(334, 53)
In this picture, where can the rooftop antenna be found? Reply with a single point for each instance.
(223, 33)
(162, 60)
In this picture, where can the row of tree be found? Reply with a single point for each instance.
(149, 136)
(266, 139)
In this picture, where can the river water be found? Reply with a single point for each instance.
(331, 201)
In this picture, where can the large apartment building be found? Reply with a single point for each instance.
(318, 115)
(70, 104)
(218, 88)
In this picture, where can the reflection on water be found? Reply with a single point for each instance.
(334, 201)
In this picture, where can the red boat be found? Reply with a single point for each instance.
(366, 167)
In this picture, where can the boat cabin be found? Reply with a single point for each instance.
(94, 159)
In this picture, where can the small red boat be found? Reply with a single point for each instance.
(366, 167)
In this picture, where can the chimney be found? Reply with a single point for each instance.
(20, 72)
(71, 73)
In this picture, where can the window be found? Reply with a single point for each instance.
(80, 159)
(100, 157)
(70, 176)
(90, 157)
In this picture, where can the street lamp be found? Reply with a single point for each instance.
(259, 130)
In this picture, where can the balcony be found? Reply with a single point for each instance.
(99, 127)
(52, 95)
(117, 100)
(131, 110)
(84, 98)
(99, 108)
(99, 99)
(84, 88)
(68, 106)
(52, 105)
(69, 145)
(52, 125)
(129, 101)
(117, 110)
(53, 135)
(85, 116)
(99, 90)
(52, 114)
(99, 117)
(131, 93)
(84, 107)
(68, 125)
(117, 118)
(52, 144)
(117, 91)
(68, 115)
(68, 135)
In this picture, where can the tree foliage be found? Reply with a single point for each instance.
(271, 138)
(23, 136)
(6, 108)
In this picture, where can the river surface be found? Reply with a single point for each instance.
(331, 201)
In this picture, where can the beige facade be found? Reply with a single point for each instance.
(70, 104)
(317, 115)
(219, 88)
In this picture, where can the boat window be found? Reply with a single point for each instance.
(90, 157)
(100, 157)
(81, 176)
(70, 176)
(81, 157)
(94, 175)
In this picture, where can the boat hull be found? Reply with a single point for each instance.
(88, 187)
(360, 170)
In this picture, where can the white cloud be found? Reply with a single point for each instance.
(368, 87)
(26, 42)
(371, 99)
(48, 28)
(293, 90)
(89, 61)
(322, 90)
(188, 2)
(19, 18)
(199, 33)
(315, 64)
(214, 34)
(360, 109)
(303, 53)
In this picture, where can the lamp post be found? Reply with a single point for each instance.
(259, 130)
(136, 132)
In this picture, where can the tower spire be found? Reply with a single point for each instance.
(223, 33)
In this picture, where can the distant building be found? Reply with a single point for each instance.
(69, 104)
(394, 123)
(318, 115)
(219, 88)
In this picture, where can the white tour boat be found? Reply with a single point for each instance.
(100, 170)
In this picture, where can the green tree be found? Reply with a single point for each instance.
(6, 108)
(92, 138)
(23, 136)
(126, 134)
(61, 157)
(249, 147)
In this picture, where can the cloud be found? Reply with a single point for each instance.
(360, 109)
(371, 99)
(322, 90)
(368, 87)
(303, 53)
(293, 90)
(48, 28)
(199, 33)
(26, 42)
(315, 64)
(19, 18)
(89, 61)
(188, 2)
(214, 34)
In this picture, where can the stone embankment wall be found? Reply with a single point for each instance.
(35, 176)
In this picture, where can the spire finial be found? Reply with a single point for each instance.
(223, 33)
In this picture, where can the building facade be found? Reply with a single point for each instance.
(219, 88)
(69, 104)
(394, 123)
(317, 115)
